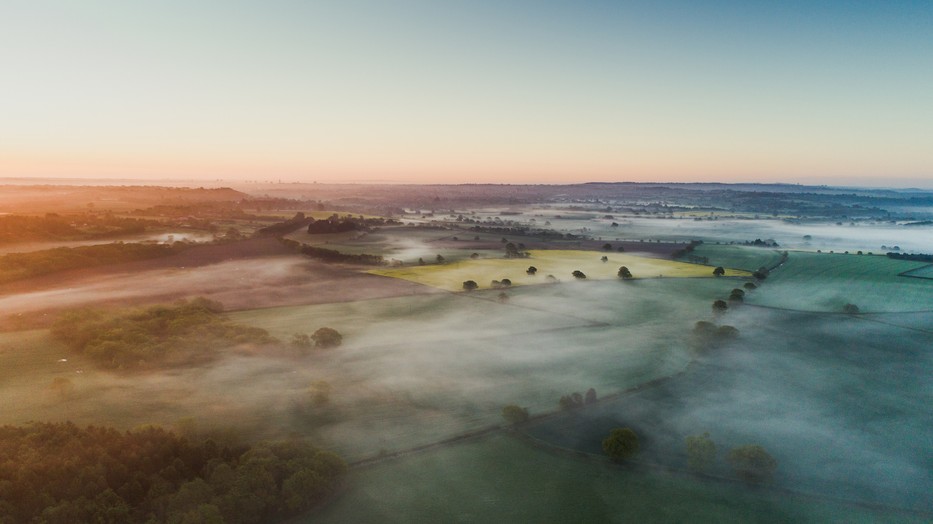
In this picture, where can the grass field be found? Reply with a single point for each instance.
(559, 263)
(826, 282)
(741, 257)
(920, 272)
(501, 479)
(854, 424)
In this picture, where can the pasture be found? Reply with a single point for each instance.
(502, 479)
(843, 409)
(560, 263)
(826, 282)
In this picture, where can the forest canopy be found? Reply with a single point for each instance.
(63, 473)
(185, 333)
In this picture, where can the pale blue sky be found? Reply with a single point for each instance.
(469, 91)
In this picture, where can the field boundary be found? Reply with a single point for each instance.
(928, 267)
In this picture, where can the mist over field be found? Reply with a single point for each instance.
(762, 333)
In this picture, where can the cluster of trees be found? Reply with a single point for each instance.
(515, 251)
(185, 333)
(688, 250)
(916, 257)
(338, 224)
(323, 338)
(63, 473)
(576, 400)
(505, 283)
(18, 228)
(514, 414)
(15, 266)
(330, 255)
(751, 463)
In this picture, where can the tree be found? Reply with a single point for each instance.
(301, 341)
(752, 463)
(552, 279)
(470, 285)
(720, 306)
(515, 414)
(607, 247)
(621, 444)
(719, 271)
(737, 295)
(604, 258)
(624, 273)
(850, 309)
(701, 452)
(474, 256)
(577, 274)
(420, 261)
(439, 259)
(531, 270)
(749, 286)
(573, 400)
(326, 337)
(590, 396)
(762, 273)
(503, 297)
(505, 282)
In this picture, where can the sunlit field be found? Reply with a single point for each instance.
(559, 264)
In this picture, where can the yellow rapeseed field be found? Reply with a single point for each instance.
(559, 263)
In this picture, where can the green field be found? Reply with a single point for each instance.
(559, 263)
(740, 257)
(920, 272)
(501, 479)
(420, 385)
(826, 282)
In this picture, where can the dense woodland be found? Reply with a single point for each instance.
(60, 473)
(16, 266)
(186, 333)
(17, 228)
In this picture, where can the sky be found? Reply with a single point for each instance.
(818, 91)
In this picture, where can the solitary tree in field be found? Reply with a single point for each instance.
(505, 282)
(749, 286)
(577, 274)
(720, 306)
(607, 247)
(752, 464)
(439, 259)
(850, 309)
(719, 271)
(474, 256)
(531, 271)
(470, 285)
(326, 337)
(624, 273)
(515, 414)
(590, 396)
(604, 258)
(737, 295)
(301, 341)
(621, 444)
(701, 452)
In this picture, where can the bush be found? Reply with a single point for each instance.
(326, 337)
(621, 444)
(752, 464)
(515, 414)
